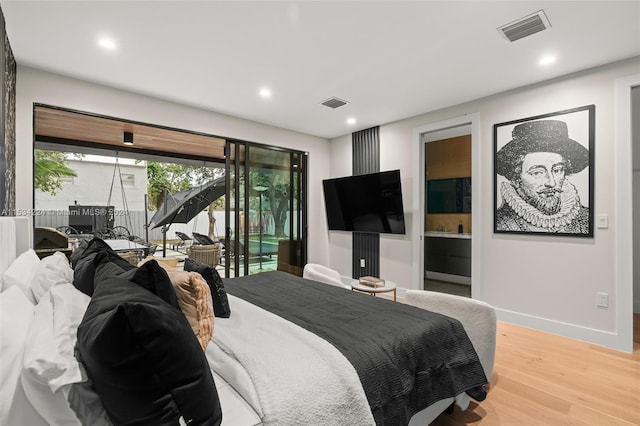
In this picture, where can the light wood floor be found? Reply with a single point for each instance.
(547, 380)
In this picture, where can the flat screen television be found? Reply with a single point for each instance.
(449, 195)
(365, 203)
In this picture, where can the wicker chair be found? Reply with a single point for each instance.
(206, 254)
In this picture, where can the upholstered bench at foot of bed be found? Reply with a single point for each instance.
(477, 317)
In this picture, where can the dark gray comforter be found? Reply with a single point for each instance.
(407, 358)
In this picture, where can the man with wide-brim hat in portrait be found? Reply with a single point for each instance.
(538, 196)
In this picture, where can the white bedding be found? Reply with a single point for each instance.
(256, 358)
(273, 352)
(17, 315)
(236, 411)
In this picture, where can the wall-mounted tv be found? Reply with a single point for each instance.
(449, 195)
(365, 203)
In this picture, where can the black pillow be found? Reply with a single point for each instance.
(150, 276)
(143, 357)
(94, 254)
(154, 278)
(77, 253)
(212, 277)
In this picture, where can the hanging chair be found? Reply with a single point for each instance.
(118, 232)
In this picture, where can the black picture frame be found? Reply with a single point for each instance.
(544, 174)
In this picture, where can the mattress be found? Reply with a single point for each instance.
(391, 382)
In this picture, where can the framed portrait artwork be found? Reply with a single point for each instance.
(543, 174)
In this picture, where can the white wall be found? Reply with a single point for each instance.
(36, 86)
(341, 243)
(394, 250)
(92, 184)
(544, 282)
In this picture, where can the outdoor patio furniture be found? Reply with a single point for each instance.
(105, 234)
(183, 206)
(69, 230)
(130, 256)
(204, 239)
(229, 246)
(123, 247)
(47, 241)
(151, 249)
(185, 240)
(206, 254)
(121, 232)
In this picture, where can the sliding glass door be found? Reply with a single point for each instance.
(265, 213)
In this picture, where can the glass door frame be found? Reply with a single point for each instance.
(238, 163)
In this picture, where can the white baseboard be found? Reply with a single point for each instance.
(585, 334)
(458, 279)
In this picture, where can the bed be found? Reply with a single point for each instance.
(292, 351)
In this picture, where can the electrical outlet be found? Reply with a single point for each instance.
(362, 263)
(602, 300)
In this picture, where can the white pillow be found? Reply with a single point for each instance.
(16, 314)
(52, 270)
(69, 306)
(20, 272)
(49, 364)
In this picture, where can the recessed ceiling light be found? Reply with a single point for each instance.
(547, 60)
(107, 43)
(351, 121)
(265, 93)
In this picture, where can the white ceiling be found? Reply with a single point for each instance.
(389, 59)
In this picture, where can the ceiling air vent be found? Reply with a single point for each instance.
(525, 26)
(334, 103)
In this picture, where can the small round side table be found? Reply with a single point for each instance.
(388, 286)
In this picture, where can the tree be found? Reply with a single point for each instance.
(277, 197)
(279, 201)
(49, 169)
(172, 177)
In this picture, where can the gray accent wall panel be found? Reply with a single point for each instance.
(366, 159)
(366, 151)
(366, 246)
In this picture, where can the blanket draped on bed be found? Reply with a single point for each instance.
(407, 358)
(282, 360)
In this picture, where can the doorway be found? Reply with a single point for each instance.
(266, 221)
(447, 237)
(464, 125)
(626, 122)
(448, 198)
(266, 186)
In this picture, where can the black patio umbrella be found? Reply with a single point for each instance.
(183, 206)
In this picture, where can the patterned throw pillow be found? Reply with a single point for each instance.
(220, 302)
(194, 298)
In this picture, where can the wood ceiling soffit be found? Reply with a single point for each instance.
(69, 125)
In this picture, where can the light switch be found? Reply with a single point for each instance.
(602, 300)
(602, 221)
